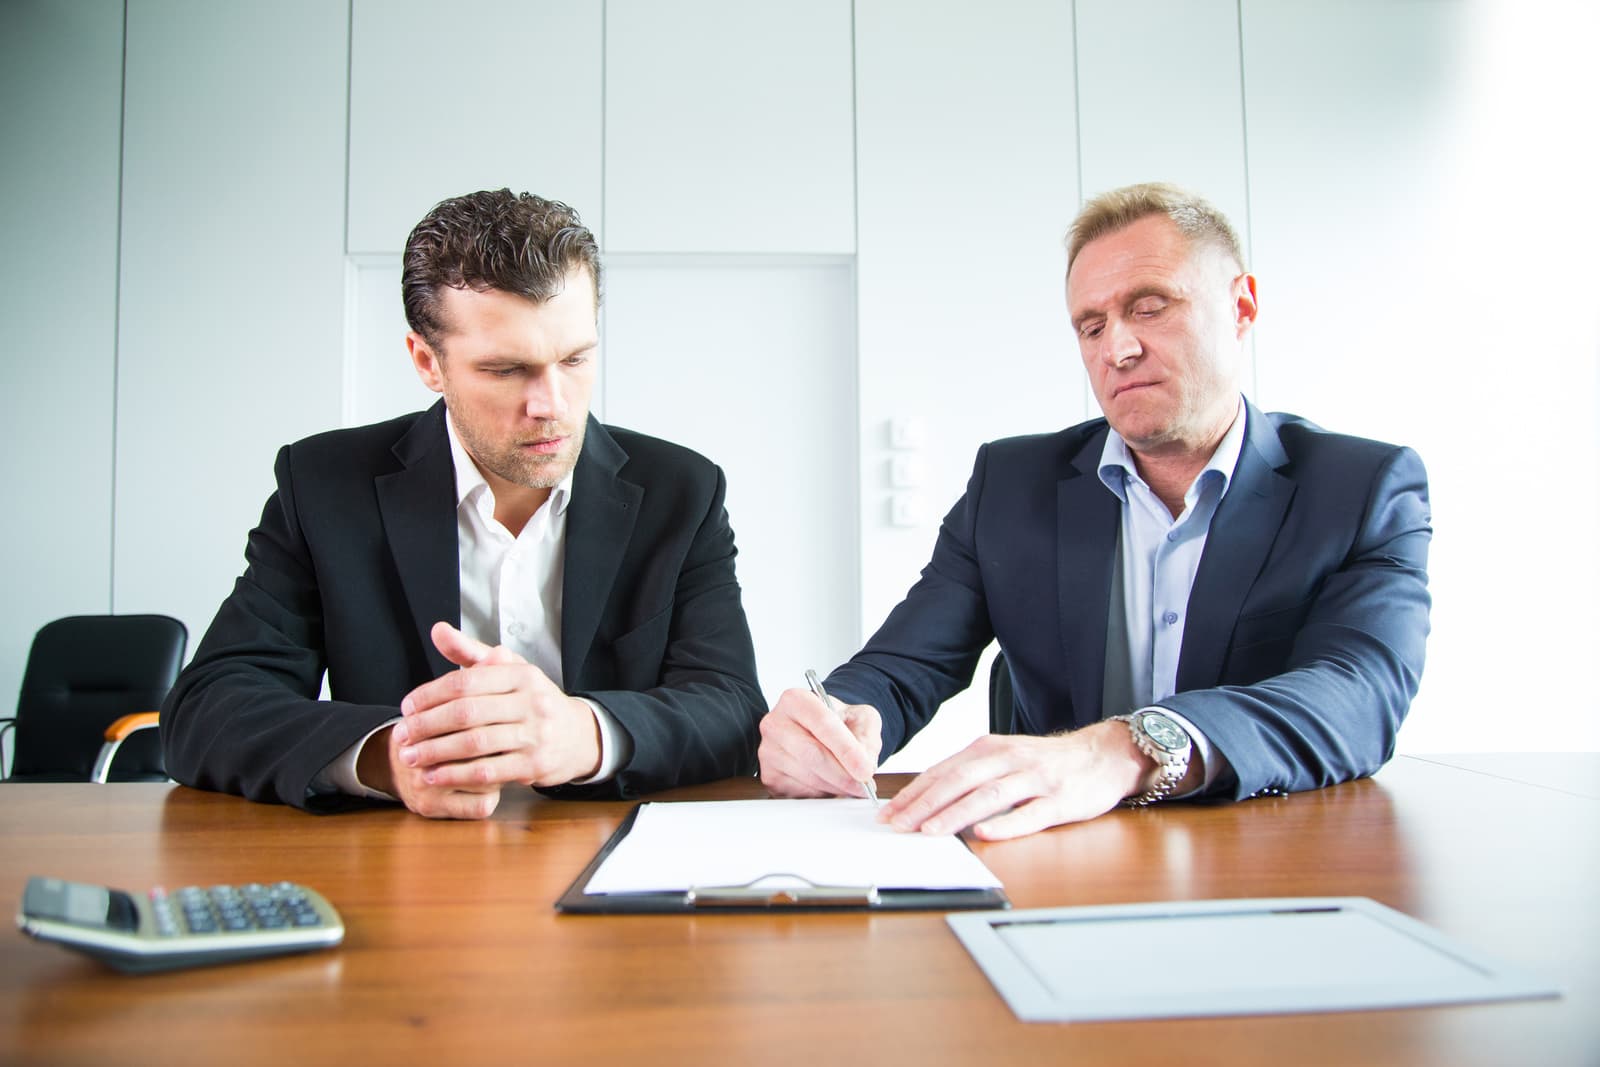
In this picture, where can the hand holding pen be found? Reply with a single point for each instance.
(815, 683)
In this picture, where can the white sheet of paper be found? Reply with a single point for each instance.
(675, 847)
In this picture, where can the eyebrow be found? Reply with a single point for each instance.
(510, 360)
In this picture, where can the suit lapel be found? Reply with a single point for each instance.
(600, 522)
(1086, 523)
(418, 508)
(1242, 533)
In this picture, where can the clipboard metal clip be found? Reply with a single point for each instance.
(754, 894)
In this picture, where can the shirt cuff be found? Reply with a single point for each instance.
(616, 745)
(340, 775)
(1212, 762)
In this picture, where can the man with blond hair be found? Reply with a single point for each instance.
(1194, 598)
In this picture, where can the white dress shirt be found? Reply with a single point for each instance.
(1160, 556)
(511, 596)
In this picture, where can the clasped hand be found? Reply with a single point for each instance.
(496, 721)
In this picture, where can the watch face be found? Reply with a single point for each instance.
(1164, 732)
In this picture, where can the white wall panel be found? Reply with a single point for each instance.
(380, 381)
(752, 363)
(1185, 126)
(61, 80)
(232, 280)
(967, 178)
(447, 99)
(1428, 277)
(728, 126)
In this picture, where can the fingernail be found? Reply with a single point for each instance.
(406, 706)
(400, 733)
(408, 756)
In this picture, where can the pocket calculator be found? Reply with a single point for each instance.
(188, 927)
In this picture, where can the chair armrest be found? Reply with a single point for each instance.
(117, 733)
(5, 724)
(139, 720)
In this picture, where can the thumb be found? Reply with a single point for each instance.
(501, 654)
(457, 647)
(867, 727)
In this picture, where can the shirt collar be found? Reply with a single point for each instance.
(1116, 461)
(470, 480)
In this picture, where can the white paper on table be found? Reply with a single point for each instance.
(674, 847)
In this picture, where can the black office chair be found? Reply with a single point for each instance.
(1002, 702)
(85, 675)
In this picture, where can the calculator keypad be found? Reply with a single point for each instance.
(232, 909)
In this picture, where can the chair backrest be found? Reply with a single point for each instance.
(1002, 703)
(83, 673)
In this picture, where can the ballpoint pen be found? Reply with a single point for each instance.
(822, 694)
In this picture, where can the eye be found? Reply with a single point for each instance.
(501, 372)
(575, 361)
(1149, 307)
(1090, 330)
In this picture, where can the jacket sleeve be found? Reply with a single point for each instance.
(244, 717)
(699, 719)
(928, 648)
(1354, 663)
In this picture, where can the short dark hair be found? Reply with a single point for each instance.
(514, 242)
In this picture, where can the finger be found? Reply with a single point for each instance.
(1071, 798)
(866, 725)
(990, 798)
(467, 714)
(780, 784)
(502, 654)
(455, 803)
(489, 679)
(456, 646)
(808, 770)
(461, 745)
(1031, 817)
(792, 748)
(477, 774)
(794, 764)
(945, 783)
(833, 733)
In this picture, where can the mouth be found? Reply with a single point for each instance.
(545, 446)
(1131, 387)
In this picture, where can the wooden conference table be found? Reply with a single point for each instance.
(454, 954)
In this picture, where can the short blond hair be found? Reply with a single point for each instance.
(1196, 218)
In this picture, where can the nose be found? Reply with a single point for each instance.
(545, 398)
(1120, 345)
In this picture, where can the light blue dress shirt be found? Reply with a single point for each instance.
(1160, 555)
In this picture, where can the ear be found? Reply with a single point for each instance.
(430, 368)
(1244, 304)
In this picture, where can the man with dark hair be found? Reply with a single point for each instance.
(499, 589)
(1193, 598)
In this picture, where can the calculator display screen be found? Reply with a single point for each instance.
(91, 906)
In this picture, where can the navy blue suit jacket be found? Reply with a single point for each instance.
(1306, 623)
(355, 559)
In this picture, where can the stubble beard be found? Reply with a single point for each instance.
(523, 468)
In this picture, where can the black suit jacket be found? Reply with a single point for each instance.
(356, 558)
(1306, 623)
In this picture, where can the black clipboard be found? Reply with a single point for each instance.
(711, 900)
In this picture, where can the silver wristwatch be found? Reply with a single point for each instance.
(1163, 740)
